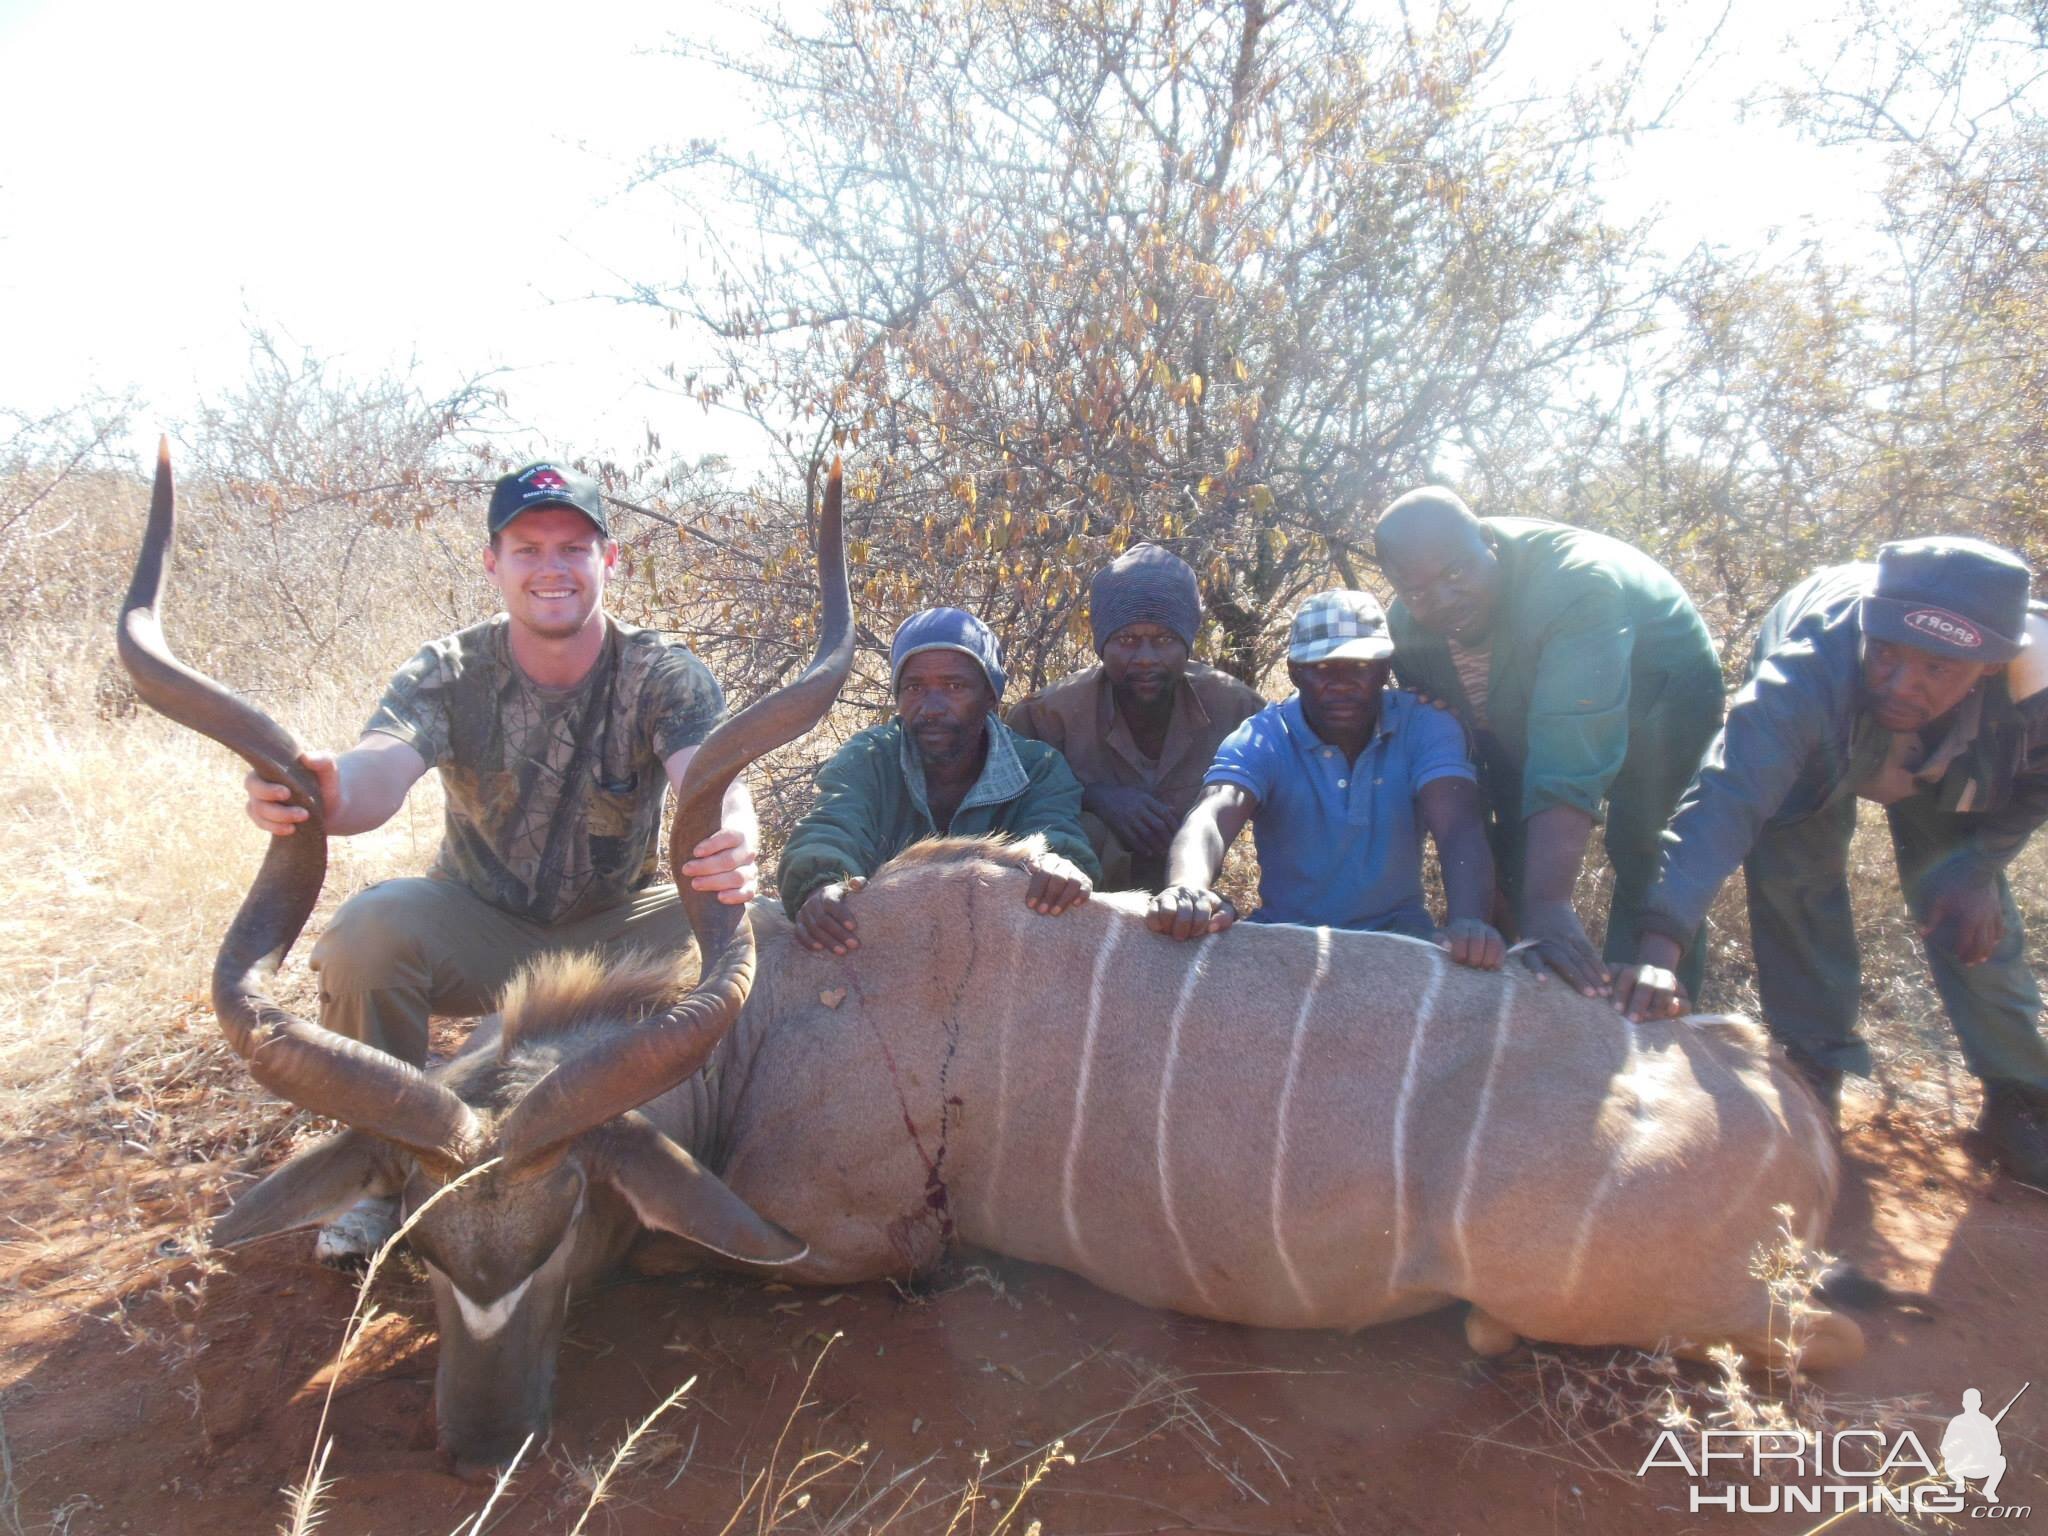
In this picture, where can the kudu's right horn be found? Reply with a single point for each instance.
(312, 1067)
(630, 1064)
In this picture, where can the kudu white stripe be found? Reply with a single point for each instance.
(1008, 992)
(1465, 1181)
(1438, 965)
(1294, 1049)
(1113, 933)
(1582, 1239)
(1203, 951)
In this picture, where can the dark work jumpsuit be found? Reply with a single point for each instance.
(1777, 794)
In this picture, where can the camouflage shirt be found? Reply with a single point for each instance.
(554, 795)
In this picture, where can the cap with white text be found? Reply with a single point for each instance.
(546, 485)
(1956, 597)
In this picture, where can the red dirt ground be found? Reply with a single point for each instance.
(183, 1402)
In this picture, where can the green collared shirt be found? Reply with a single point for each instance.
(872, 804)
(1590, 635)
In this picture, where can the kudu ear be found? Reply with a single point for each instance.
(324, 1180)
(670, 1191)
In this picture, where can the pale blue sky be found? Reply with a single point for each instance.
(443, 181)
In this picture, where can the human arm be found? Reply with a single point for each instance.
(1775, 725)
(360, 789)
(1556, 850)
(727, 863)
(1064, 875)
(1649, 989)
(1576, 734)
(838, 838)
(1189, 907)
(1450, 809)
(1141, 820)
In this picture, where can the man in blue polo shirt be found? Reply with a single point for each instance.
(1339, 783)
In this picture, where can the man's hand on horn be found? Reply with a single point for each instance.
(270, 804)
(1188, 912)
(1057, 885)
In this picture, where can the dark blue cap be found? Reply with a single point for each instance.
(546, 485)
(1956, 597)
(947, 629)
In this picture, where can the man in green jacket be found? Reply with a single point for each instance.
(1587, 680)
(945, 766)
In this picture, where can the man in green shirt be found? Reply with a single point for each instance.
(1589, 683)
(945, 766)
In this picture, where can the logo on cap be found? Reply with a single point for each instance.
(1945, 626)
(547, 479)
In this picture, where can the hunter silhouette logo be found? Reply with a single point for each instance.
(1969, 1446)
(1943, 625)
(1841, 1471)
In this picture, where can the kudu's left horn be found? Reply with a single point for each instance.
(313, 1067)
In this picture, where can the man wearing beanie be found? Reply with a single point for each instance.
(1140, 728)
(557, 731)
(945, 766)
(1590, 686)
(1920, 684)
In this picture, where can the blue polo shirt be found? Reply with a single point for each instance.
(1340, 843)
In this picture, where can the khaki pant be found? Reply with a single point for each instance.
(405, 950)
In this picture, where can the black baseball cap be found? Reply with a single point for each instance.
(1952, 596)
(546, 484)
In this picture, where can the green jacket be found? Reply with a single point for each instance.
(1591, 635)
(871, 806)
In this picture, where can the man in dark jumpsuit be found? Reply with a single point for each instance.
(1920, 683)
(1587, 680)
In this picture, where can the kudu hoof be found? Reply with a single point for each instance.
(1488, 1335)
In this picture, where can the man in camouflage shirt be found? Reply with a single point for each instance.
(557, 731)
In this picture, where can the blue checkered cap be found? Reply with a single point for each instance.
(1340, 626)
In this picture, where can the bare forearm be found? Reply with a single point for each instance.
(1467, 864)
(1557, 839)
(372, 779)
(1197, 851)
(736, 813)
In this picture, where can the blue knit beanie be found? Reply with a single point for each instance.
(947, 629)
(1145, 585)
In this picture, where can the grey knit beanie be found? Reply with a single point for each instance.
(1145, 585)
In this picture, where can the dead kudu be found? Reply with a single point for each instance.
(1279, 1126)
(552, 1097)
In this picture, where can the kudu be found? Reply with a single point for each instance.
(1280, 1126)
(551, 1097)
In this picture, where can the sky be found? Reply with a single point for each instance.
(446, 184)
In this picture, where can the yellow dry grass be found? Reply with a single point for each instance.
(124, 850)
